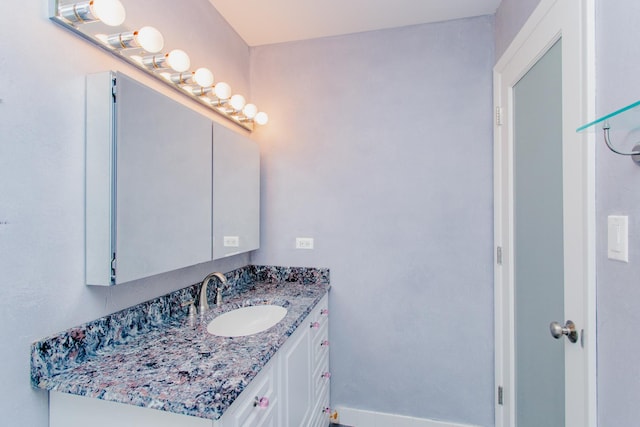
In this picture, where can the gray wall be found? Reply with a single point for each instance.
(510, 17)
(617, 53)
(42, 69)
(379, 146)
(618, 292)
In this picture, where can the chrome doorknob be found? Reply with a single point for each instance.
(569, 329)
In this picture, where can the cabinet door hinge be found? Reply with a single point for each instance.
(499, 255)
(498, 116)
(500, 396)
(113, 268)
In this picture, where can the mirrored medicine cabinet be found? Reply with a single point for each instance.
(166, 187)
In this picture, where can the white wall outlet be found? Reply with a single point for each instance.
(231, 241)
(618, 237)
(304, 242)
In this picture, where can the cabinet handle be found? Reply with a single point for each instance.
(326, 375)
(262, 402)
(324, 343)
(314, 325)
(324, 312)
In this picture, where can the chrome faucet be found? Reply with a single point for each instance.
(203, 303)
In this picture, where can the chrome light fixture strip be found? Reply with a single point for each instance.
(93, 30)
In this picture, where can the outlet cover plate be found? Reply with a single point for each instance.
(304, 242)
(231, 241)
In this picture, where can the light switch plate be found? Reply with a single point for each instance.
(618, 237)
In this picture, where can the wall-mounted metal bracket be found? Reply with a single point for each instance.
(635, 154)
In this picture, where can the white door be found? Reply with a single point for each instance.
(544, 221)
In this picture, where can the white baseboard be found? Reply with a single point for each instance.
(359, 418)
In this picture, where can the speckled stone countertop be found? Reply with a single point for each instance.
(154, 356)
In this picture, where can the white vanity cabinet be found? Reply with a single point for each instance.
(291, 390)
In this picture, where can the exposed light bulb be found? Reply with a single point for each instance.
(250, 111)
(222, 90)
(178, 60)
(111, 12)
(261, 118)
(149, 39)
(203, 77)
(237, 102)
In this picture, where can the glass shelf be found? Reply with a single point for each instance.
(626, 118)
(626, 121)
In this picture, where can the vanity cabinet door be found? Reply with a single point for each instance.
(305, 371)
(295, 385)
(259, 404)
(148, 182)
(236, 193)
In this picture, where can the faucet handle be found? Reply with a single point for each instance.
(192, 307)
(219, 295)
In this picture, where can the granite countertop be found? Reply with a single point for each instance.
(177, 366)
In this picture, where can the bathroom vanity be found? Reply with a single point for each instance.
(172, 372)
(292, 389)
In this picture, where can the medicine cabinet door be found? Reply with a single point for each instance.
(148, 182)
(236, 193)
(163, 183)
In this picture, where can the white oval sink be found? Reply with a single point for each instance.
(246, 320)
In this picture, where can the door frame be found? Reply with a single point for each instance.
(573, 21)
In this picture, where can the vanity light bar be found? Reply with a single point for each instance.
(100, 22)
